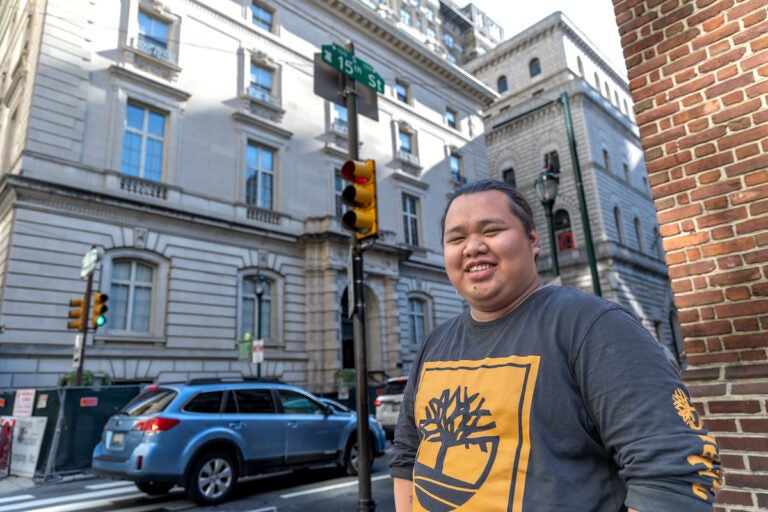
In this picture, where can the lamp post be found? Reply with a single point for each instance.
(259, 294)
(546, 188)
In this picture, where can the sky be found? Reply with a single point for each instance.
(594, 18)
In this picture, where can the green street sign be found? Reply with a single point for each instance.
(356, 69)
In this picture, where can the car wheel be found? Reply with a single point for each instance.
(352, 456)
(212, 479)
(154, 488)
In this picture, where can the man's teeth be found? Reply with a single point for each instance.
(478, 268)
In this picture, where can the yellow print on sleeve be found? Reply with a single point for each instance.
(473, 419)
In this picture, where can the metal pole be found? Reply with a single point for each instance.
(258, 330)
(365, 502)
(552, 246)
(86, 320)
(582, 200)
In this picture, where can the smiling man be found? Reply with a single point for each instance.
(541, 398)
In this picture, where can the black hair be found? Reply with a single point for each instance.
(518, 205)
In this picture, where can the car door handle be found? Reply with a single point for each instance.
(293, 424)
(237, 425)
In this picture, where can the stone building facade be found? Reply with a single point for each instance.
(183, 140)
(698, 75)
(527, 134)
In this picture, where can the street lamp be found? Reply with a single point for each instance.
(546, 188)
(259, 294)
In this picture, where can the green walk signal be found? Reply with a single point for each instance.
(100, 308)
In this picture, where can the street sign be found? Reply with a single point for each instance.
(258, 351)
(90, 260)
(329, 84)
(356, 69)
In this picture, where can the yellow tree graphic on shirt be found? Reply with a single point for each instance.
(453, 419)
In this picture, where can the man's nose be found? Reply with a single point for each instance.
(475, 245)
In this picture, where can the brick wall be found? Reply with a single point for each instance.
(698, 72)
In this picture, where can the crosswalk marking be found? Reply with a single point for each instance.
(11, 499)
(74, 497)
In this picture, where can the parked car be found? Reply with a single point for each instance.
(387, 404)
(204, 436)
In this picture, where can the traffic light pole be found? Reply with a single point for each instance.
(86, 321)
(365, 502)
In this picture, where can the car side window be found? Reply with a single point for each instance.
(255, 401)
(296, 403)
(206, 402)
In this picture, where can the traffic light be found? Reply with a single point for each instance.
(98, 317)
(361, 196)
(77, 311)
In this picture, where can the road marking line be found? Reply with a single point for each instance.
(109, 485)
(63, 499)
(329, 487)
(11, 499)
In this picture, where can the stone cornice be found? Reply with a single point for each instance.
(401, 43)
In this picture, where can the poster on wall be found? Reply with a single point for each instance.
(22, 404)
(27, 439)
(6, 441)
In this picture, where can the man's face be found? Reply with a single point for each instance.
(489, 257)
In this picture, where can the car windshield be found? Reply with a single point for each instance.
(151, 401)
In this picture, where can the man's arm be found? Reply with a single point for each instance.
(403, 494)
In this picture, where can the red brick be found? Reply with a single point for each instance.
(719, 218)
(759, 444)
(733, 406)
(740, 341)
(746, 480)
(733, 497)
(759, 463)
(754, 371)
(750, 388)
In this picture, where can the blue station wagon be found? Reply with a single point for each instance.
(204, 436)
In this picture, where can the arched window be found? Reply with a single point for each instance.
(256, 306)
(563, 231)
(416, 320)
(639, 235)
(131, 292)
(501, 84)
(619, 226)
(580, 66)
(534, 67)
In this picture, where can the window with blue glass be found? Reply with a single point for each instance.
(260, 176)
(534, 67)
(261, 16)
(153, 31)
(143, 142)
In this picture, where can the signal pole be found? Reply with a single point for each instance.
(365, 502)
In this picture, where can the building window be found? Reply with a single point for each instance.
(448, 40)
(143, 142)
(508, 176)
(431, 33)
(339, 184)
(607, 161)
(534, 67)
(406, 142)
(340, 119)
(153, 33)
(455, 163)
(401, 91)
(429, 13)
(619, 225)
(261, 16)
(450, 58)
(256, 288)
(501, 84)
(262, 83)
(552, 162)
(450, 118)
(639, 235)
(627, 174)
(410, 220)
(597, 82)
(260, 176)
(131, 289)
(405, 17)
(416, 321)
(580, 65)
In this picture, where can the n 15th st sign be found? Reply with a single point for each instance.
(356, 69)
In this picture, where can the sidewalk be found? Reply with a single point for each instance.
(13, 484)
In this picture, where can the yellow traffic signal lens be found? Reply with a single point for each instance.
(361, 196)
(99, 309)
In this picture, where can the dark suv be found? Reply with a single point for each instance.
(204, 436)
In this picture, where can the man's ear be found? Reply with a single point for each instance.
(533, 236)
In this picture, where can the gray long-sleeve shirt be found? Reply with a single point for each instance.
(565, 403)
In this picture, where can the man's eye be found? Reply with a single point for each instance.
(454, 240)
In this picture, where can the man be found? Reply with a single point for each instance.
(541, 399)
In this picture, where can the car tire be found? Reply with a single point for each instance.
(154, 488)
(352, 456)
(212, 479)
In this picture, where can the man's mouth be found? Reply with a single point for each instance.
(479, 268)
